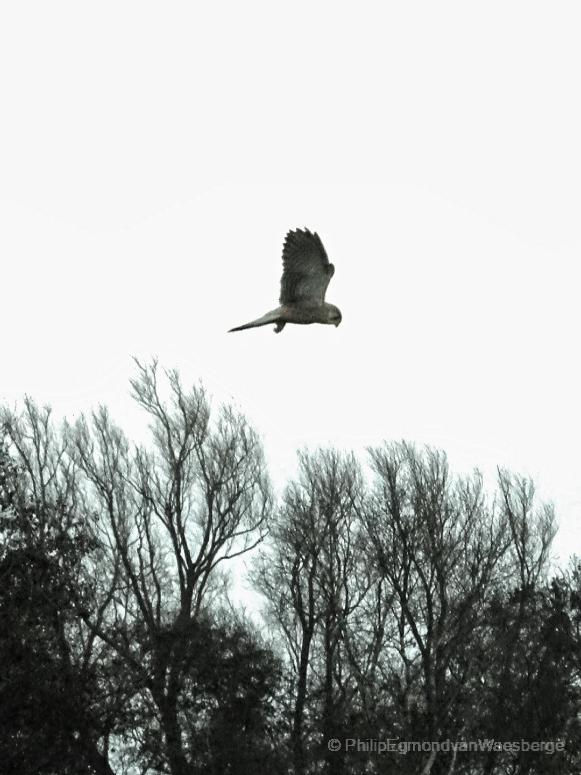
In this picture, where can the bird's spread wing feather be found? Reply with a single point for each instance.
(306, 269)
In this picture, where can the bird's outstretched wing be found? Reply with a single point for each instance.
(306, 269)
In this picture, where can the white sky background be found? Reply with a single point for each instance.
(153, 156)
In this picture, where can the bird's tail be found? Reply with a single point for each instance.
(270, 317)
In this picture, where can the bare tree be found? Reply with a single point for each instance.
(170, 518)
(309, 578)
(437, 546)
(47, 554)
(531, 530)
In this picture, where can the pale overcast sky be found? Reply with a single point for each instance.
(153, 156)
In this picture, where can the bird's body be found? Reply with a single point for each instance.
(306, 275)
(292, 313)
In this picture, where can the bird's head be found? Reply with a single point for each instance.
(334, 316)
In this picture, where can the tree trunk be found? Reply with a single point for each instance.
(99, 762)
(297, 732)
(430, 763)
(176, 757)
(335, 760)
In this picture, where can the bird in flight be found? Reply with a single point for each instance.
(306, 273)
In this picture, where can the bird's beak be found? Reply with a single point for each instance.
(336, 324)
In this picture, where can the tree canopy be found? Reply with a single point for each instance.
(395, 601)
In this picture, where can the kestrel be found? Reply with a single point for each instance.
(306, 273)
